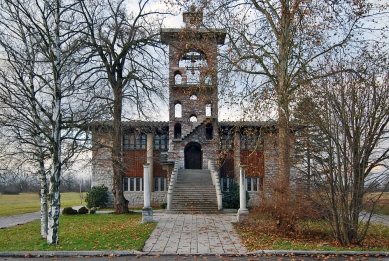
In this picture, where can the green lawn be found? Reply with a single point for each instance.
(30, 202)
(81, 232)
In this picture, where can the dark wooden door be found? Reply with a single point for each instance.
(193, 157)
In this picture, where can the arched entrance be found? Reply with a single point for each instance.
(193, 156)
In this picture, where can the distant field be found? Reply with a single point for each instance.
(30, 202)
(382, 205)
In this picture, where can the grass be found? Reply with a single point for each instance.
(261, 233)
(81, 232)
(382, 204)
(30, 202)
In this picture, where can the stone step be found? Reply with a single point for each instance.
(194, 192)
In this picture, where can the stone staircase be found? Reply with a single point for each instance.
(194, 192)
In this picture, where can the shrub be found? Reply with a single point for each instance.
(69, 211)
(83, 210)
(231, 198)
(97, 197)
(92, 211)
(164, 205)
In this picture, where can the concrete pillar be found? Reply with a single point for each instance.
(243, 211)
(147, 211)
(150, 158)
(237, 148)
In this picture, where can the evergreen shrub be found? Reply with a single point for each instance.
(231, 197)
(69, 211)
(97, 197)
(83, 210)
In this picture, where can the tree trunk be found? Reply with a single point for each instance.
(117, 163)
(55, 203)
(43, 196)
(283, 105)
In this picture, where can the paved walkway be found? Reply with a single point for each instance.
(194, 234)
(11, 221)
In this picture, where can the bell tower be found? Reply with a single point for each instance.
(193, 90)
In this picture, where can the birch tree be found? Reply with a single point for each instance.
(37, 91)
(123, 37)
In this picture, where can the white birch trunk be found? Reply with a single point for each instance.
(43, 195)
(55, 203)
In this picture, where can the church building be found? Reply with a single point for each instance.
(193, 143)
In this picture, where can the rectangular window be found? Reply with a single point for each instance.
(138, 184)
(133, 184)
(255, 184)
(161, 142)
(225, 183)
(156, 142)
(125, 184)
(135, 142)
(252, 184)
(163, 184)
(156, 184)
(160, 184)
(250, 142)
(227, 141)
(143, 141)
(248, 184)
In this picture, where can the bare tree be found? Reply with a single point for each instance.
(274, 47)
(349, 112)
(38, 87)
(123, 37)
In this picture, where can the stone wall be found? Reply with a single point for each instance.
(102, 172)
(135, 199)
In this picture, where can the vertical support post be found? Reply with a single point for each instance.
(150, 158)
(147, 211)
(243, 211)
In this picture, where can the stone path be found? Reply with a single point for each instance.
(11, 221)
(194, 234)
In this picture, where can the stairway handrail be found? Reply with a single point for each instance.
(216, 183)
(173, 179)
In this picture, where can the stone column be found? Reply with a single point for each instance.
(237, 149)
(147, 211)
(243, 211)
(150, 158)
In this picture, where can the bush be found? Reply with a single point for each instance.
(69, 211)
(83, 210)
(97, 197)
(92, 211)
(231, 198)
(10, 192)
(164, 205)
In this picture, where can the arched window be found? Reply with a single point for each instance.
(208, 80)
(193, 97)
(193, 62)
(177, 131)
(178, 110)
(177, 79)
(208, 110)
(209, 131)
(193, 118)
